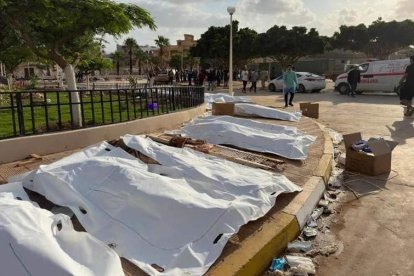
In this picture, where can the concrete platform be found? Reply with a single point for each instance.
(250, 251)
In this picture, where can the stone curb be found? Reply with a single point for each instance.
(256, 253)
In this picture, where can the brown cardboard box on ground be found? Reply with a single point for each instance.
(222, 109)
(377, 163)
(310, 110)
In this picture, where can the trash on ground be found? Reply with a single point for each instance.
(361, 187)
(323, 203)
(335, 136)
(277, 264)
(299, 246)
(330, 196)
(300, 264)
(310, 232)
(329, 249)
(317, 213)
(342, 158)
(328, 210)
(336, 179)
(311, 223)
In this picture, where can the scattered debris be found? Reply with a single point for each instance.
(336, 137)
(299, 246)
(316, 213)
(310, 232)
(277, 264)
(329, 249)
(342, 159)
(32, 158)
(323, 203)
(328, 210)
(300, 264)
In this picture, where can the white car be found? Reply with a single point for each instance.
(306, 82)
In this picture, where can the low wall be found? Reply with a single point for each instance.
(19, 148)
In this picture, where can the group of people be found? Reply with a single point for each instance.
(214, 77)
(253, 77)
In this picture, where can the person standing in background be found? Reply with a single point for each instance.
(407, 90)
(263, 78)
(244, 78)
(354, 77)
(290, 82)
(254, 77)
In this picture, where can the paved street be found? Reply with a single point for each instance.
(376, 230)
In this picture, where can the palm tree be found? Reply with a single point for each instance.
(130, 45)
(161, 42)
(117, 57)
(140, 56)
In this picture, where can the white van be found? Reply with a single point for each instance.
(379, 76)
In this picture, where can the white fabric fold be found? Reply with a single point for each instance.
(210, 98)
(167, 224)
(285, 141)
(248, 110)
(33, 241)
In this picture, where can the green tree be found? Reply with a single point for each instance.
(117, 57)
(213, 45)
(288, 46)
(245, 46)
(11, 58)
(140, 56)
(61, 30)
(162, 42)
(130, 45)
(379, 40)
(175, 61)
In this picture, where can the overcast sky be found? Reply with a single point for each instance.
(174, 18)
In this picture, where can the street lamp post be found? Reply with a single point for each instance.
(231, 10)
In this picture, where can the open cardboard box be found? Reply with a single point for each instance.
(222, 109)
(377, 163)
(309, 110)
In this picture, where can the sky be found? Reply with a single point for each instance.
(174, 18)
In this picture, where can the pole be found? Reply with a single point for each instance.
(182, 59)
(231, 58)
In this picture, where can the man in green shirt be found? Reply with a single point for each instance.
(290, 81)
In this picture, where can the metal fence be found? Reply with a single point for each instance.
(34, 112)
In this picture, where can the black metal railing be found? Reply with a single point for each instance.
(34, 112)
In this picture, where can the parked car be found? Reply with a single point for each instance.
(381, 75)
(306, 82)
(161, 78)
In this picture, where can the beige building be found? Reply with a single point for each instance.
(182, 48)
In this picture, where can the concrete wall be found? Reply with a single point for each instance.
(19, 148)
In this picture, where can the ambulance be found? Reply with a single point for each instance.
(378, 76)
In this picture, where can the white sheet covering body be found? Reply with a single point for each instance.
(284, 141)
(35, 242)
(246, 109)
(157, 221)
(210, 98)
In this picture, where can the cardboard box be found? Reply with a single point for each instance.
(379, 162)
(222, 109)
(310, 110)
